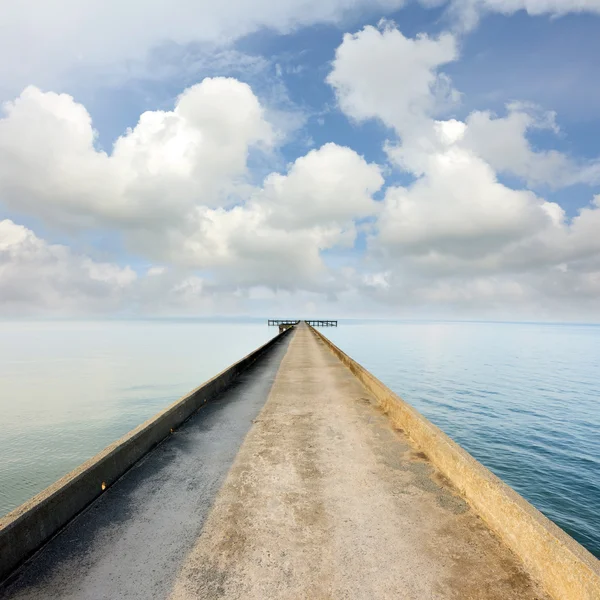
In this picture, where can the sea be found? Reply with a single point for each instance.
(522, 398)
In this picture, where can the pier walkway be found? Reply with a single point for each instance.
(292, 485)
(326, 500)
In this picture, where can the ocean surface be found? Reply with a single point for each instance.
(524, 399)
(69, 389)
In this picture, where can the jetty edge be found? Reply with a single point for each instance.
(28, 527)
(565, 569)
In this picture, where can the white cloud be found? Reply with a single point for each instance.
(41, 41)
(171, 161)
(381, 73)
(503, 143)
(540, 7)
(38, 276)
(330, 185)
(177, 191)
(276, 238)
(456, 236)
(176, 187)
(458, 208)
(458, 240)
(468, 12)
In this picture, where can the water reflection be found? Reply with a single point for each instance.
(524, 399)
(68, 389)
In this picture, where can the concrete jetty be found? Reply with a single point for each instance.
(304, 477)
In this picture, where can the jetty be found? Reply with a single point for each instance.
(293, 474)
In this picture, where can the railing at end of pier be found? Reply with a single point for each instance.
(311, 322)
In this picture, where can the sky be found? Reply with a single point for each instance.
(300, 158)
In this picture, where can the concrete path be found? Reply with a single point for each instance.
(324, 500)
(132, 542)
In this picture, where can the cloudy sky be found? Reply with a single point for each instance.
(369, 158)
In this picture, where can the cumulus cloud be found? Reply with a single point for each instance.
(53, 39)
(276, 238)
(171, 160)
(457, 236)
(50, 39)
(38, 276)
(457, 220)
(41, 278)
(318, 189)
(177, 191)
(176, 186)
(458, 208)
(380, 73)
(503, 143)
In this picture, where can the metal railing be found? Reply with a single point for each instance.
(311, 322)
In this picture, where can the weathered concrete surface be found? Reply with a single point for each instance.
(327, 500)
(564, 567)
(132, 541)
(26, 528)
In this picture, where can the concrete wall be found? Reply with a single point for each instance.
(565, 569)
(29, 526)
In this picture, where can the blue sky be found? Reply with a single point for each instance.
(398, 160)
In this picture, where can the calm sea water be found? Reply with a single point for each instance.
(68, 389)
(524, 399)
